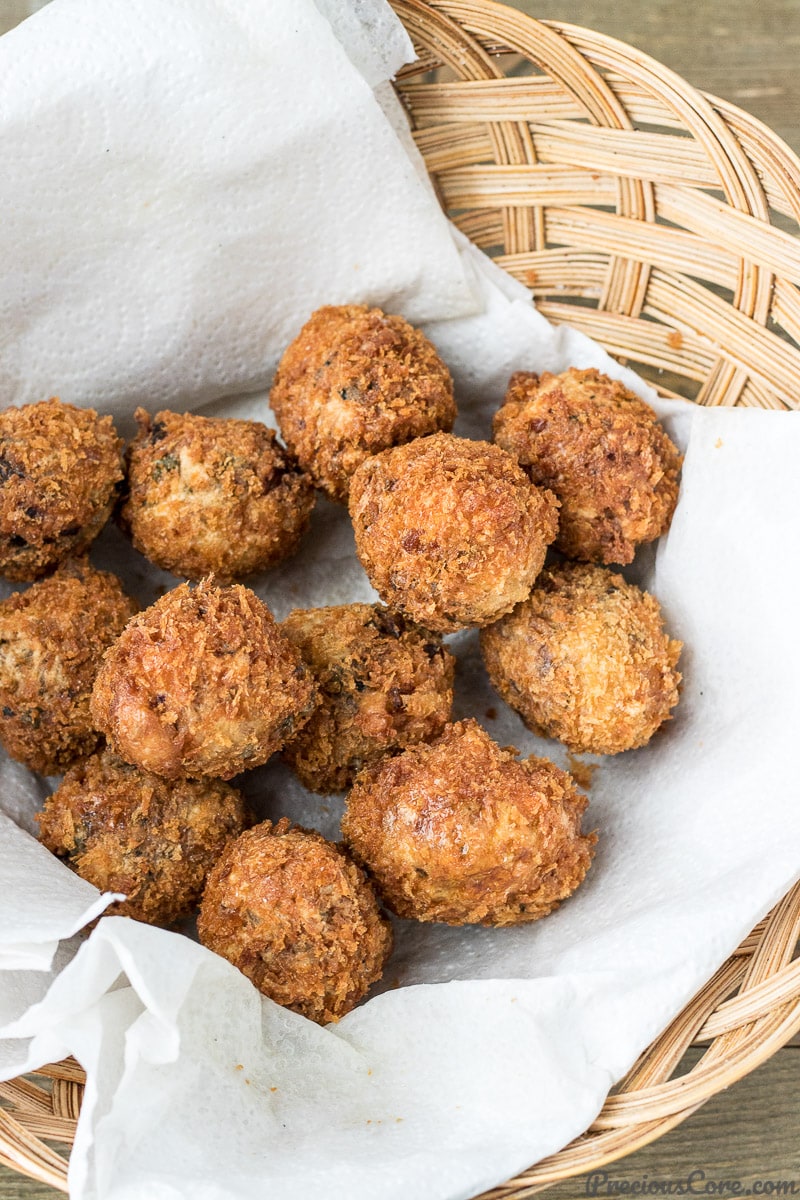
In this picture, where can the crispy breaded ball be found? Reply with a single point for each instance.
(210, 495)
(52, 640)
(585, 659)
(451, 532)
(298, 918)
(126, 830)
(60, 467)
(355, 381)
(384, 683)
(601, 450)
(461, 831)
(201, 683)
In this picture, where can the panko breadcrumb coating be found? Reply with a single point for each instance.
(384, 683)
(451, 532)
(298, 918)
(461, 831)
(585, 660)
(602, 451)
(202, 683)
(126, 830)
(60, 467)
(353, 382)
(211, 495)
(52, 640)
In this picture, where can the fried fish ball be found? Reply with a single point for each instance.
(126, 830)
(461, 831)
(201, 683)
(601, 450)
(210, 495)
(355, 381)
(60, 468)
(451, 532)
(52, 640)
(384, 683)
(298, 918)
(585, 659)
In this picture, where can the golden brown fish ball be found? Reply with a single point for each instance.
(461, 831)
(384, 683)
(585, 659)
(126, 830)
(52, 640)
(202, 683)
(601, 450)
(298, 918)
(355, 381)
(210, 495)
(451, 532)
(60, 468)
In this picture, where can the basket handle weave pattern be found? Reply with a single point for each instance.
(657, 220)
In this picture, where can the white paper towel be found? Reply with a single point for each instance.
(41, 909)
(39, 904)
(485, 1049)
(184, 181)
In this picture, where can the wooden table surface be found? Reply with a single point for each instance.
(747, 52)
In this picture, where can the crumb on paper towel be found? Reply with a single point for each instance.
(582, 772)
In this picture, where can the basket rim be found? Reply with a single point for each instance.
(720, 105)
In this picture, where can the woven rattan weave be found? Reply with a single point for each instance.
(664, 223)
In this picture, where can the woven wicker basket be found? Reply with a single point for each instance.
(663, 223)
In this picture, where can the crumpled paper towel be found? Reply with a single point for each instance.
(483, 1049)
(40, 911)
(184, 181)
(38, 902)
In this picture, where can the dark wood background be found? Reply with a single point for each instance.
(747, 52)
